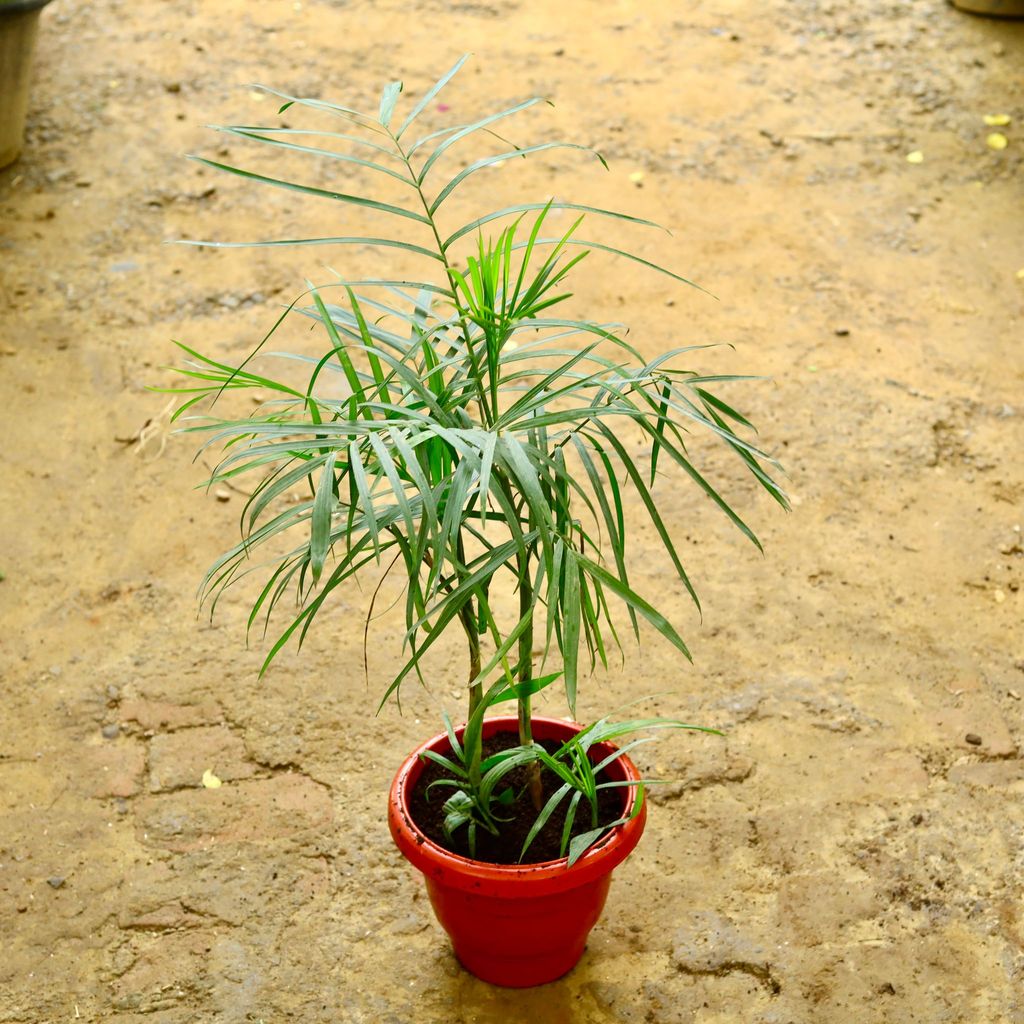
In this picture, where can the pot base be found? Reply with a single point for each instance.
(509, 973)
(519, 943)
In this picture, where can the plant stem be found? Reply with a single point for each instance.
(487, 415)
(525, 674)
(469, 624)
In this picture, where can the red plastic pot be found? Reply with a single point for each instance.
(515, 924)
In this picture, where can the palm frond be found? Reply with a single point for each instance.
(455, 419)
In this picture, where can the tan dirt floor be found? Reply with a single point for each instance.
(845, 855)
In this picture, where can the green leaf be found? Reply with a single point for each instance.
(388, 100)
(659, 429)
(430, 94)
(571, 626)
(570, 818)
(347, 113)
(498, 158)
(581, 843)
(615, 252)
(458, 810)
(358, 473)
(263, 130)
(462, 132)
(513, 457)
(339, 346)
(261, 135)
(310, 190)
(650, 504)
(635, 601)
(369, 347)
(390, 243)
(542, 819)
(487, 451)
(706, 487)
(614, 523)
(320, 523)
(522, 756)
(453, 740)
(508, 211)
(444, 762)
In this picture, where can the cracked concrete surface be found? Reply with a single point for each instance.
(853, 849)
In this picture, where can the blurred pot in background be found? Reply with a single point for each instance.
(993, 8)
(19, 21)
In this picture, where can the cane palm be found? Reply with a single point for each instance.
(457, 426)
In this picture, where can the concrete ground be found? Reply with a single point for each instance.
(853, 850)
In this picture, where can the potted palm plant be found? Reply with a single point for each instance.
(457, 425)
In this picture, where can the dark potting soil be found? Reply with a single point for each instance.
(427, 811)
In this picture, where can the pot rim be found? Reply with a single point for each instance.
(484, 878)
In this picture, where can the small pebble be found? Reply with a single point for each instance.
(56, 882)
(222, 494)
(112, 731)
(973, 738)
(842, 332)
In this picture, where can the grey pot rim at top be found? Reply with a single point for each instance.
(21, 6)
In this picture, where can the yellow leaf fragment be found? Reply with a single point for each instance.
(996, 120)
(997, 140)
(210, 781)
(637, 177)
(917, 157)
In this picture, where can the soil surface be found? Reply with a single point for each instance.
(853, 850)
